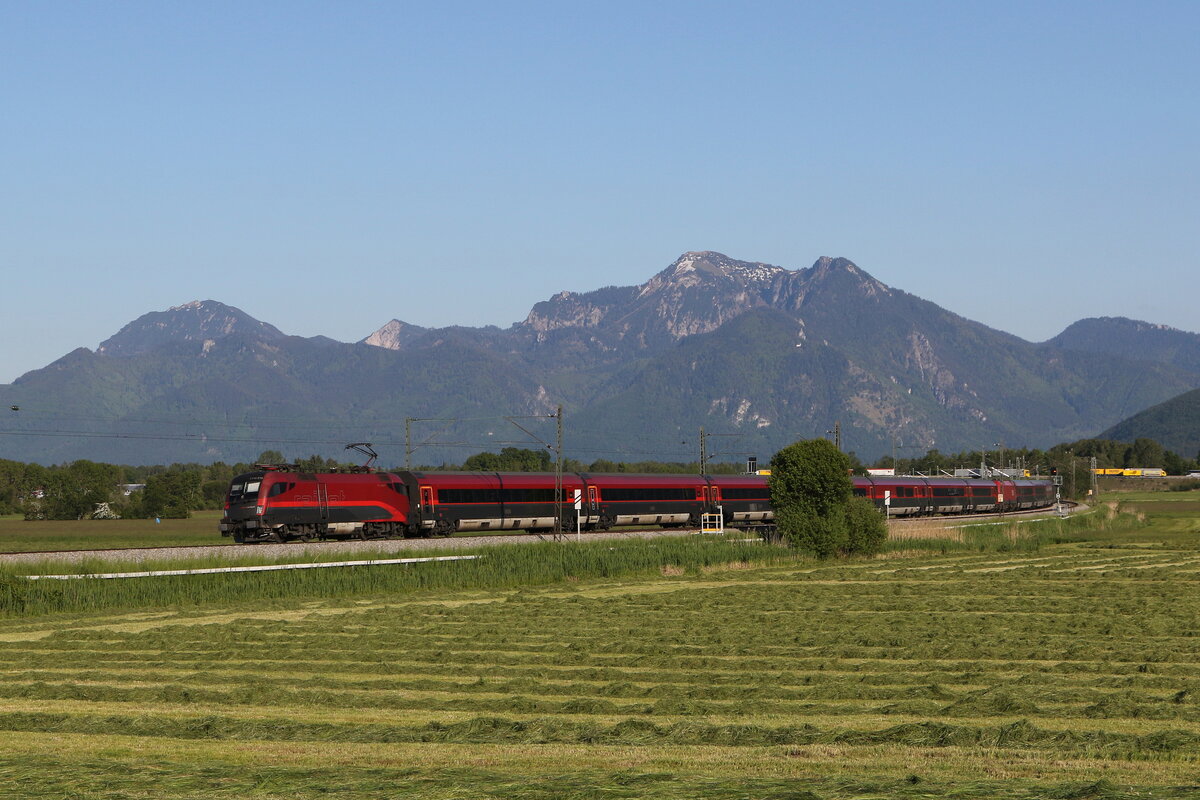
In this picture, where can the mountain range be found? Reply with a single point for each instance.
(759, 354)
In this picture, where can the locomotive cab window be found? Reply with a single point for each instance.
(239, 492)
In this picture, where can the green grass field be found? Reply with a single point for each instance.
(998, 664)
(18, 535)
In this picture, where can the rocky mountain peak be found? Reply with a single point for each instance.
(200, 320)
(843, 274)
(706, 266)
(394, 335)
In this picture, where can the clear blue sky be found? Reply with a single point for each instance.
(329, 166)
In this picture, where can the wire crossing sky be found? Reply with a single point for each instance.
(326, 167)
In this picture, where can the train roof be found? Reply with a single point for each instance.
(738, 480)
(515, 479)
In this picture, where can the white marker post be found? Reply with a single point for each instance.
(887, 503)
(578, 508)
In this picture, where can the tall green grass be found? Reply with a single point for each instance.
(504, 566)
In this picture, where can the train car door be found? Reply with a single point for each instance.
(323, 499)
(427, 499)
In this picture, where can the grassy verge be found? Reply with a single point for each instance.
(533, 564)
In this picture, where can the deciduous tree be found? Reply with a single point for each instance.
(812, 496)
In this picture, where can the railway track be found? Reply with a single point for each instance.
(266, 549)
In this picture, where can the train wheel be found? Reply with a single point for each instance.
(279, 535)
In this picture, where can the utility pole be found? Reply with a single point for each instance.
(408, 443)
(558, 477)
(837, 435)
(704, 454)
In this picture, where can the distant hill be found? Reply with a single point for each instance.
(1132, 339)
(759, 352)
(1174, 424)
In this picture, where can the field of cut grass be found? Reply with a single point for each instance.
(1064, 665)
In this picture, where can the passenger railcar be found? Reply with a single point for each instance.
(281, 504)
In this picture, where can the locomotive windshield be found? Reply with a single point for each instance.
(242, 491)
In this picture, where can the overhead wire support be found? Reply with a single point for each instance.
(408, 446)
(704, 454)
(557, 447)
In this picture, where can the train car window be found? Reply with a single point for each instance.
(467, 496)
(531, 495)
(982, 491)
(947, 491)
(750, 494)
(652, 494)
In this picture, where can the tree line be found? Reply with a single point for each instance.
(1062, 458)
(84, 489)
(78, 489)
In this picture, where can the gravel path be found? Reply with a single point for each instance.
(269, 551)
